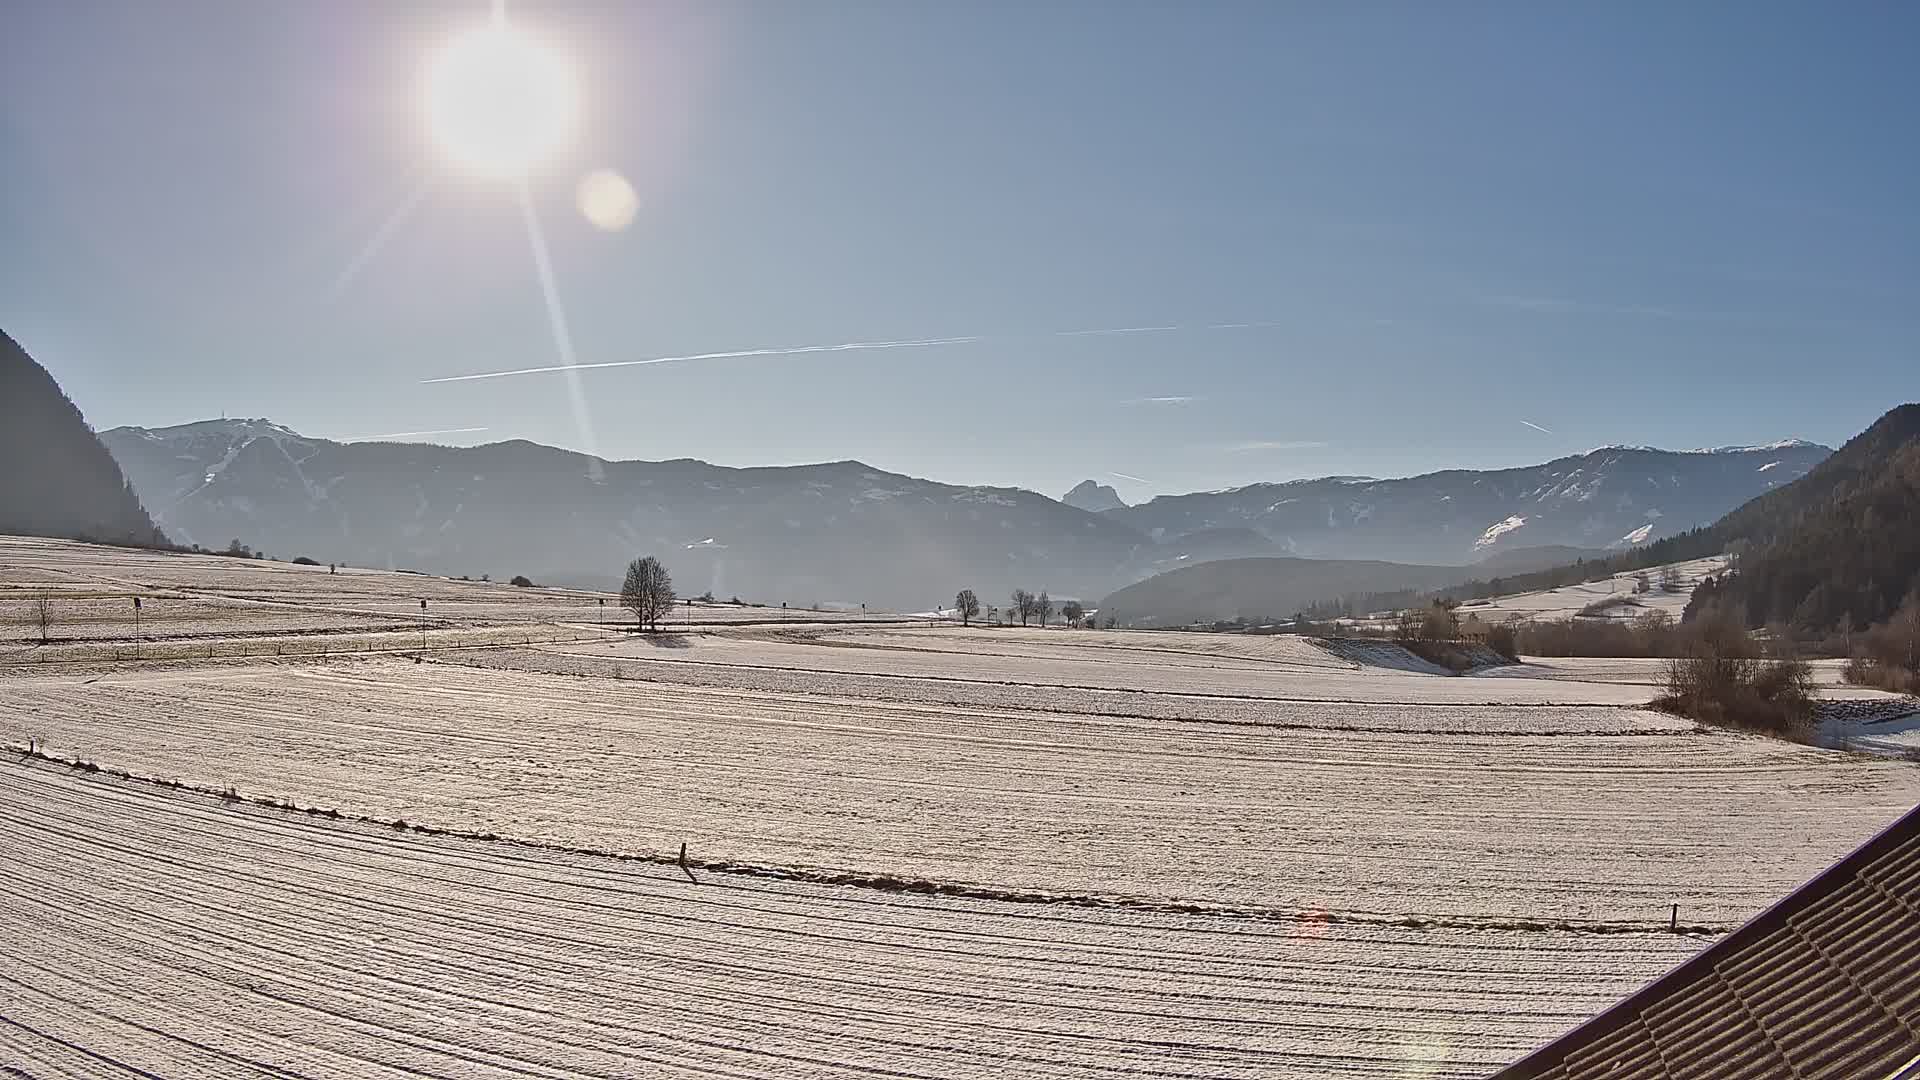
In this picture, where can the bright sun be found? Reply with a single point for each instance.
(498, 102)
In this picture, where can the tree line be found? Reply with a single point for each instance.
(1022, 605)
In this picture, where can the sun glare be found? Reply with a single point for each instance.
(499, 102)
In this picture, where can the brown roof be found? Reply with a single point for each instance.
(1824, 984)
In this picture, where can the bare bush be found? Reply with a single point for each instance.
(1503, 639)
(1888, 655)
(1722, 679)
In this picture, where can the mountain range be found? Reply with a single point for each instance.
(1614, 496)
(847, 533)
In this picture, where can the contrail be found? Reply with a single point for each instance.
(1120, 330)
(1130, 476)
(919, 343)
(1535, 426)
(913, 343)
(1170, 399)
(414, 434)
(380, 237)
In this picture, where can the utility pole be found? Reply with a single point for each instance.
(136, 628)
(423, 626)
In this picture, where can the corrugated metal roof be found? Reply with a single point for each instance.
(1825, 984)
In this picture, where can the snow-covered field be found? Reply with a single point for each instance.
(956, 852)
(1570, 600)
(1388, 810)
(196, 606)
(151, 932)
(1070, 665)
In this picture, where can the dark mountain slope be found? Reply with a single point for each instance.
(55, 477)
(1839, 548)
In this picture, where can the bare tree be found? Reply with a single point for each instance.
(43, 615)
(1670, 580)
(967, 604)
(1021, 605)
(647, 592)
(1439, 623)
(1043, 607)
(1073, 612)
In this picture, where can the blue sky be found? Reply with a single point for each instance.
(1668, 224)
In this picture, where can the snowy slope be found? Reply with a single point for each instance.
(1612, 496)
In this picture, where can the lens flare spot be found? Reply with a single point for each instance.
(607, 200)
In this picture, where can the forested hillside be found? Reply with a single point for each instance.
(1836, 549)
(55, 477)
(1841, 548)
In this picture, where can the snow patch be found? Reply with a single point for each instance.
(1639, 535)
(1779, 444)
(1496, 531)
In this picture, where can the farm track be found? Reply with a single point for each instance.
(239, 941)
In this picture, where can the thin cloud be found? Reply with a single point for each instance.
(1118, 330)
(1536, 427)
(1254, 446)
(1562, 306)
(1130, 476)
(915, 343)
(415, 434)
(849, 346)
(1170, 399)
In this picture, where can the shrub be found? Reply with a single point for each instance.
(1723, 681)
(302, 560)
(1888, 654)
(522, 581)
(1868, 671)
(1505, 640)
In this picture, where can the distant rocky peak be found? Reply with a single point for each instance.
(1092, 497)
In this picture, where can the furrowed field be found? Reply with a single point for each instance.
(921, 851)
